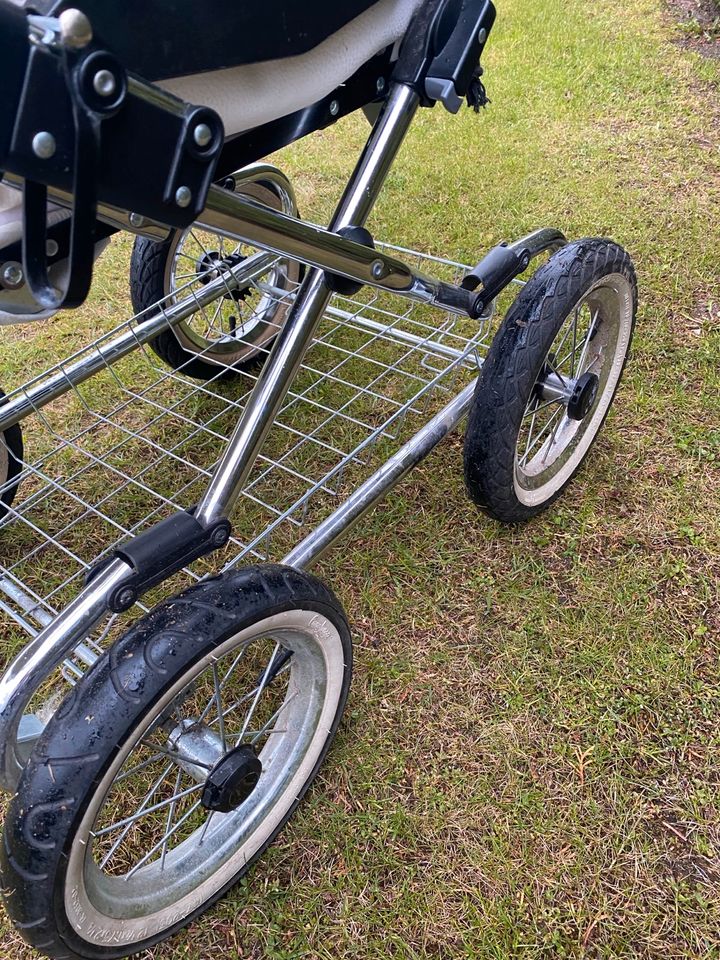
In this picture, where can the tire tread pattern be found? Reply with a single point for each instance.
(513, 364)
(81, 740)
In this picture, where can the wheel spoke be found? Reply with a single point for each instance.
(173, 754)
(168, 822)
(588, 340)
(541, 434)
(261, 687)
(148, 797)
(574, 340)
(165, 838)
(144, 813)
(218, 701)
(543, 406)
(552, 439)
(272, 719)
(223, 684)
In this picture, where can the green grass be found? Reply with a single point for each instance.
(529, 762)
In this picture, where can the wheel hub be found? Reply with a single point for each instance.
(232, 780)
(209, 266)
(583, 396)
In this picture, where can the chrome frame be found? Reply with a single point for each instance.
(324, 251)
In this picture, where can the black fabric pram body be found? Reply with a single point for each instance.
(158, 39)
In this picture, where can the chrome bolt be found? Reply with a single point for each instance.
(44, 145)
(136, 220)
(51, 248)
(378, 269)
(482, 36)
(75, 29)
(334, 108)
(12, 275)
(202, 134)
(183, 196)
(380, 84)
(104, 83)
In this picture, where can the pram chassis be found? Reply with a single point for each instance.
(342, 252)
(324, 249)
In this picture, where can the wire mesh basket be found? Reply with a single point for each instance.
(138, 441)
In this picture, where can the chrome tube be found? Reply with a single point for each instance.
(324, 536)
(46, 390)
(313, 297)
(537, 242)
(40, 657)
(240, 218)
(142, 226)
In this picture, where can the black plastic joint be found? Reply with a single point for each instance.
(494, 272)
(344, 285)
(160, 552)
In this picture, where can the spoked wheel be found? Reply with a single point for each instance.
(174, 762)
(235, 331)
(11, 462)
(549, 379)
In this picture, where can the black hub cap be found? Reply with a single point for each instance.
(208, 266)
(232, 780)
(583, 396)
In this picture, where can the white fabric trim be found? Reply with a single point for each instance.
(248, 96)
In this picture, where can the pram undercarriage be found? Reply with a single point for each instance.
(355, 371)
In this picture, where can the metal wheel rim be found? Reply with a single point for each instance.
(550, 445)
(112, 910)
(267, 313)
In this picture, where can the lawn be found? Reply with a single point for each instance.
(528, 766)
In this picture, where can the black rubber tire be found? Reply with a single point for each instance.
(12, 440)
(148, 264)
(514, 363)
(84, 735)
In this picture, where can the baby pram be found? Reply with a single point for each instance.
(152, 784)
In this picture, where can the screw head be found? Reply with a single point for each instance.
(126, 598)
(380, 84)
(482, 35)
(104, 83)
(220, 537)
(75, 29)
(12, 275)
(202, 134)
(334, 108)
(378, 269)
(136, 220)
(51, 248)
(44, 145)
(183, 196)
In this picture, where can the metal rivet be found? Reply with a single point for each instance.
(136, 220)
(51, 248)
(183, 196)
(104, 83)
(380, 84)
(482, 36)
(43, 145)
(126, 598)
(334, 108)
(378, 269)
(219, 537)
(202, 134)
(75, 29)
(12, 275)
